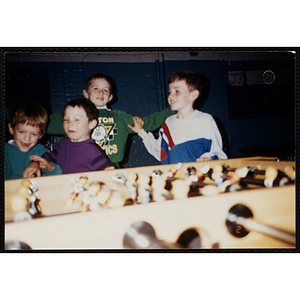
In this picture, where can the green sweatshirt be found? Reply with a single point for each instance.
(112, 131)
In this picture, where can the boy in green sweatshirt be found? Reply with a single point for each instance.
(113, 127)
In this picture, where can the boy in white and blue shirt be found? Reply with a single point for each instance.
(188, 136)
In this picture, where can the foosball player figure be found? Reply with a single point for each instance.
(290, 172)
(89, 200)
(232, 182)
(104, 194)
(270, 174)
(276, 177)
(156, 173)
(119, 180)
(180, 189)
(143, 189)
(115, 200)
(26, 204)
(159, 193)
(33, 202)
(132, 186)
(76, 186)
(210, 190)
(19, 205)
(192, 175)
(172, 172)
(217, 174)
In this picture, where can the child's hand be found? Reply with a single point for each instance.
(204, 159)
(33, 170)
(44, 163)
(138, 124)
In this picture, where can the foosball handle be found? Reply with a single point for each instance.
(250, 224)
(141, 235)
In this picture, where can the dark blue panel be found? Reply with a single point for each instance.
(136, 85)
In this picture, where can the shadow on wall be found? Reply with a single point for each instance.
(200, 103)
(224, 136)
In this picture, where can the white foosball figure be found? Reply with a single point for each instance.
(210, 190)
(132, 185)
(172, 172)
(143, 189)
(89, 194)
(194, 175)
(76, 186)
(234, 180)
(119, 180)
(29, 192)
(116, 200)
(217, 174)
(180, 189)
(159, 193)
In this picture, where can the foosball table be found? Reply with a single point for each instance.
(246, 203)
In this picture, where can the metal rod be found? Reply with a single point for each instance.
(250, 224)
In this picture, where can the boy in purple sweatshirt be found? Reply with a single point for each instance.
(78, 152)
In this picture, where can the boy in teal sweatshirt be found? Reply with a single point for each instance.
(27, 124)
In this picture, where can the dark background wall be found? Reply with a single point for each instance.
(255, 117)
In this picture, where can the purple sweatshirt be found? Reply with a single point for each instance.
(76, 157)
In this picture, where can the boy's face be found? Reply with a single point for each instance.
(25, 136)
(98, 92)
(77, 125)
(180, 97)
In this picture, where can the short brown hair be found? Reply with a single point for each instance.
(29, 113)
(194, 81)
(88, 106)
(112, 85)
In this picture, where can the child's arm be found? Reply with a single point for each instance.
(48, 167)
(150, 142)
(43, 163)
(32, 170)
(98, 160)
(155, 120)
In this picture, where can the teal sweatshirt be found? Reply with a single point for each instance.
(17, 161)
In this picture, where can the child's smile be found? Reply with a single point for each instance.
(180, 97)
(99, 92)
(25, 136)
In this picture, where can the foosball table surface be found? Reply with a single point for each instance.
(70, 228)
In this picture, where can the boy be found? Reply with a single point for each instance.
(112, 131)
(27, 124)
(77, 153)
(188, 136)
